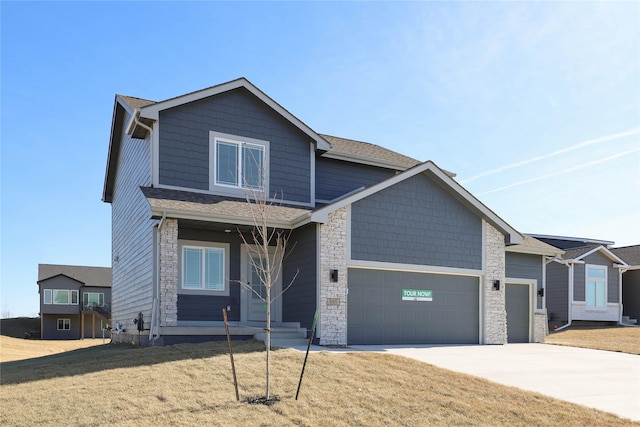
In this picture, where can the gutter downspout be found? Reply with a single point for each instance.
(156, 291)
(568, 264)
(621, 270)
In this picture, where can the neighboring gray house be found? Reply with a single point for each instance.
(389, 249)
(630, 282)
(74, 301)
(586, 283)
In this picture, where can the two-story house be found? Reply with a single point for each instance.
(75, 301)
(388, 249)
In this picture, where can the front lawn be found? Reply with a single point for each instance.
(625, 339)
(191, 384)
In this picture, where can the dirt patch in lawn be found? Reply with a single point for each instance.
(191, 384)
(625, 339)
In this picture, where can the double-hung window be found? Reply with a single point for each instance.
(64, 324)
(238, 163)
(204, 268)
(596, 286)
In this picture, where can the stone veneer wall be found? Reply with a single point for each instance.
(495, 315)
(169, 273)
(539, 327)
(333, 256)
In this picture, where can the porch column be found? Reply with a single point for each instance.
(494, 311)
(168, 295)
(333, 294)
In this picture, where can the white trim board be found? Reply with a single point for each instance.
(413, 268)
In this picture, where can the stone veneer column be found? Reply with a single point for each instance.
(169, 273)
(539, 327)
(495, 314)
(333, 256)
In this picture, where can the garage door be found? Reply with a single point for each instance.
(377, 313)
(517, 306)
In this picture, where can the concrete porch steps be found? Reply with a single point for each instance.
(628, 321)
(284, 336)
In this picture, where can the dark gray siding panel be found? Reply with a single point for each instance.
(517, 307)
(50, 327)
(557, 293)
(578, 282)
(60, 282)
(631, 294)
(377, 314)
(525, 266)
(209, 308)
(299, 302)
(612, 275)
(184, 142)
(416, 222)
(335, 178)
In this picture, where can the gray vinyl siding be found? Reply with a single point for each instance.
(50, 327)
(184, 142)
(612, 278)
(335, 178)
(631, 294)
(132, 233)
(59, 282)
(299, 302)
(557, 293)
(525, 266)
(416, 222)
(209, 308)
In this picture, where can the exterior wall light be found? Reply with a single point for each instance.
(496, 285)
(541, 292)
(334, 276)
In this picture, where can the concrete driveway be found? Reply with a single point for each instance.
(604, 380)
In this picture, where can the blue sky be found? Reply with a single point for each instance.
(535, 105)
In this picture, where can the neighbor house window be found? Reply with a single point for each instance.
(238, 162)
(64, 324)
(203, 268)
(596, 283)
(60, 296)
(93, 299)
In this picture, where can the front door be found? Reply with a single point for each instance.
(253, 304)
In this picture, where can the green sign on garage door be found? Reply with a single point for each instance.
(417, 295)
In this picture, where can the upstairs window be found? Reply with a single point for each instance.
(60, 296)
(92, 299)
(238, 163)
(596, 286)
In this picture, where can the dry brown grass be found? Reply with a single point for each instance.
(191, 384)
(613, 338)
(18, 349)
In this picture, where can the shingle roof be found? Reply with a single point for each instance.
(134, 102)
(90, 276)
(367, 151)
(204, 204)
(629, 254)
(576, 252)
(531, 245)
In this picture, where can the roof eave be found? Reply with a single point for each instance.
(158, 212)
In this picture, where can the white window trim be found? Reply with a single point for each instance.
(70, 291)
(231, 190)
(93, 293)
(606, 287)
(226, 265)
(66, 321)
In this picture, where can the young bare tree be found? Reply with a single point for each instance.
(267, 249)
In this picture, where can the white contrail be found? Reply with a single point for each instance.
(555, 153)
(540, 178)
